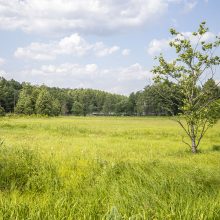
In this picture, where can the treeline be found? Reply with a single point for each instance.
(27, 99)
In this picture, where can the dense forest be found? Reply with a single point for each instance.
(24, 98)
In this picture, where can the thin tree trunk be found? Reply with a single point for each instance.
(193, 139)
(194, 147)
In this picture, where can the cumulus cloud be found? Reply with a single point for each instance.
(93, 16)
(71, 45)
(119, 80)
(101, 50)
(156, 46)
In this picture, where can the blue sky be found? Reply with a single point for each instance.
(100, 44)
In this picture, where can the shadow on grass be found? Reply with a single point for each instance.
(215, 148)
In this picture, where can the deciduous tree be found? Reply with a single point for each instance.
(192, 73)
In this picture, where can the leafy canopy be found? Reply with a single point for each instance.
(192, 73)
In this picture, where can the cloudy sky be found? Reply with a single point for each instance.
(101, 44)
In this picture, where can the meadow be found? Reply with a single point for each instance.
(106, 168)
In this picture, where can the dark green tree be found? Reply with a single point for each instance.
(9, 90)
(77, 108)
(108, 106)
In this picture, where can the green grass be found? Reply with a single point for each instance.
(106, 168)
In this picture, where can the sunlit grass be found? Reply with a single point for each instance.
(106, 168)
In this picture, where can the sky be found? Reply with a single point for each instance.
(101, 44)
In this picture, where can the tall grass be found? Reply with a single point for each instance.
(106, 168)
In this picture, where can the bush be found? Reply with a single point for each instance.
(23, 169)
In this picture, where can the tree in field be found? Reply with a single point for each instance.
(25, 104)
(44, 103)
(192, 74)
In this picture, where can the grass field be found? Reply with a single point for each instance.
(106, 168)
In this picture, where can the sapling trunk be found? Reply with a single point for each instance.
(194, 147)
(193, 138)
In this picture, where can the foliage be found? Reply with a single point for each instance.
(44, 103)
(23, 99)
(56, 107)
(9, 90)
(77, 108)
(192, 74)
(25, 104)
(145, 102)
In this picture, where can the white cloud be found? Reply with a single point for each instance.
(120, 80)
(157, 46)
(36, 51)
(133, 72)
(2, 61)
(93, 16)
(101, 50)
(91, 68)
(190, 5)
(72, 45)
(126, 52)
